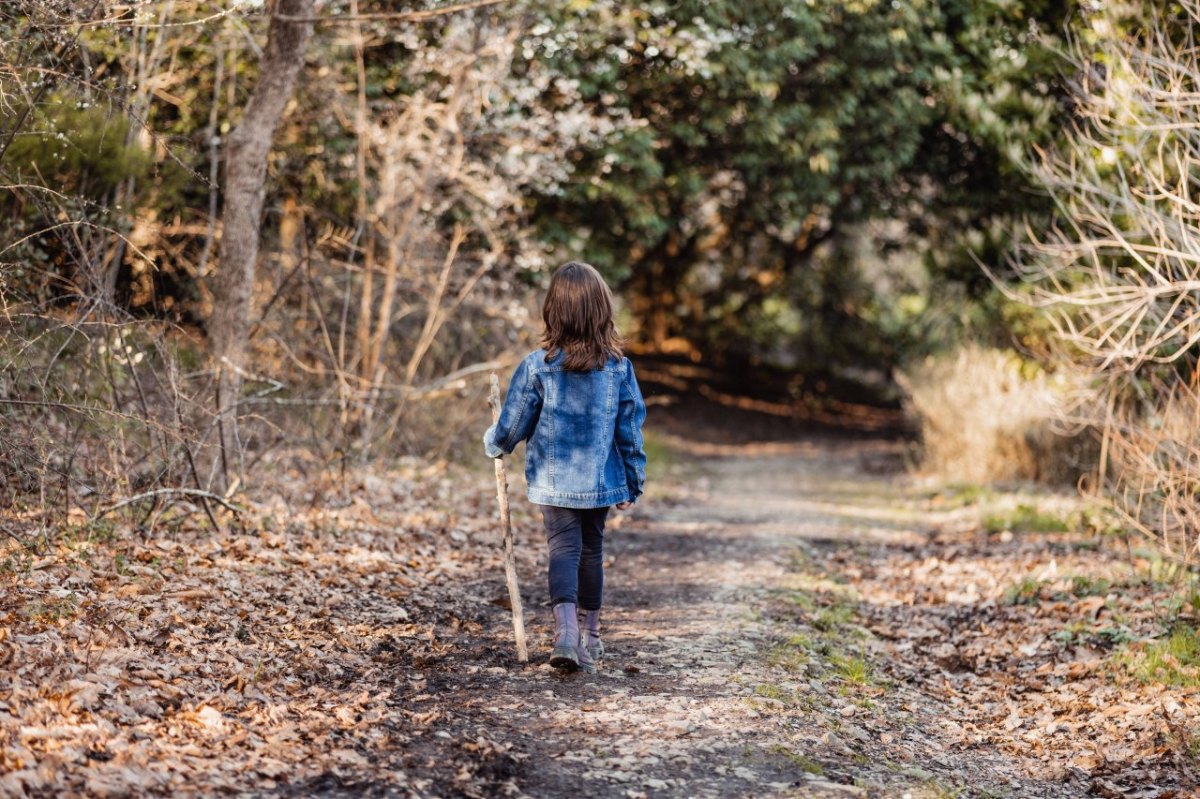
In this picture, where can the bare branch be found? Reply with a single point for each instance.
(165, 492)
(401, 16)
(1118, 275)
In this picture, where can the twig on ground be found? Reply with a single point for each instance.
(158, 492)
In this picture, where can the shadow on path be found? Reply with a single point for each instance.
(697, 696)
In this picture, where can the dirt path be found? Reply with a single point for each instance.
(794, 617)
(717, 681)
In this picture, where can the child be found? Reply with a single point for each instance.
(577, 403)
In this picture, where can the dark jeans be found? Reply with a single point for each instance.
(576, 539)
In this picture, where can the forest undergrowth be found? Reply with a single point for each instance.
(349, 632)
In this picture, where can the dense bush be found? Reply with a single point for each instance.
(772, 145)
(1116, 275)
(988, 415)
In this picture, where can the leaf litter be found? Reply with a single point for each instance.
(788, 618)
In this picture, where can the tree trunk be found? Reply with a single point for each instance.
(655, 290)
(246, 152)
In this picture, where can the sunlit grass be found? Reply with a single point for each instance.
(852, 669)
(803, 600)
(1028, 591)
(960, 495)
(834, 617)
(1027, 519)
(1173, 661)
(772, 691)
(1083, 585)
(940, 790)
(790, 655)
(803, 762)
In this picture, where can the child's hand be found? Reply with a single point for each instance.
(624, 505)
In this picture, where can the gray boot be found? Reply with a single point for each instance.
(566, 638)
(590, 628)
(586, 662)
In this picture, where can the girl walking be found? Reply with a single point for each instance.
(577, 403)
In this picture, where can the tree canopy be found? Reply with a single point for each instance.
(761, 133)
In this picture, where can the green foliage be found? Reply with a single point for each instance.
(1083, 585)
(761, 132)
(753, 147)
(1074, 632)
(791, 101)
(833, 617)
(852, 669)
(65, 164)
(771, 691)
(76, 147)
(1028, 591)
(790, 655)
(51, 609)
(1173, 660)
(962, 495)
(800, 761)
(1027, 518)
(1113, 635)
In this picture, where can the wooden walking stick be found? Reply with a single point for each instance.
(510, 568)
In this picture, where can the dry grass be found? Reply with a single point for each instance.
(1152, 462)
(1116, 276)
(986, 415)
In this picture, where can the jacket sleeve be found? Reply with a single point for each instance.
(631, 414)
(518, 415)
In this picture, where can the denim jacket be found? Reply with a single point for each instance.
(584, 431)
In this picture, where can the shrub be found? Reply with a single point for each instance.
(987, 415)
(1152, 466)
(1116, 276)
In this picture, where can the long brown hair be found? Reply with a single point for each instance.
(578, 314)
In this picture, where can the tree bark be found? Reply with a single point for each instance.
(656, 284)
(246, 152)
